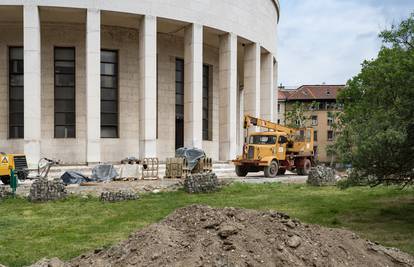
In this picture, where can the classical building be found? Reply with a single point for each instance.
(88, 81)
(320, 107)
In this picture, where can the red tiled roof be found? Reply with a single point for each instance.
(312, 92)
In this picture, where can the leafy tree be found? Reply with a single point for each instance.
(377, 125)
(296, 117)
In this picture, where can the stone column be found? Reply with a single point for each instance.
(32, 83)
(148, 87)
(228, 96)
(266, 87)
(93, 86)
(275, 92)
(193, 86)
(252, 79)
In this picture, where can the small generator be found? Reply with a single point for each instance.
(15, 162)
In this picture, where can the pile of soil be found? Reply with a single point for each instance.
(204, 236)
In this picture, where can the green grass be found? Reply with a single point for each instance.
(68, 228)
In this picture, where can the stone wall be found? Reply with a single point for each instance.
(45, 190)
(201, 183)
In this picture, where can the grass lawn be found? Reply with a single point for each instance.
(68, 228)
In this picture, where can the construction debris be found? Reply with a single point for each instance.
(321, 175)
(204, 236)
(121, 195)
(104, 172)
(129, 172)
(5, 192)
(71, 177)
(201, 183)
(44, 190)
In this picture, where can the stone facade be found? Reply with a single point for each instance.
(149, 36)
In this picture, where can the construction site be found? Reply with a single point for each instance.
(154, 133)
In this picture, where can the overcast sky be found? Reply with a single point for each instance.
(326, 40)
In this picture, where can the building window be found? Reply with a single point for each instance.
(314, 120)
(109, 94)
(278, 107)
(64, 70)
(315, 136)
(330, 120)
(179, 103)
(278, 121)
(16, 92)
(330, 135)
(206, 102)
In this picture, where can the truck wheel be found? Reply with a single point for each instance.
(271, 170)
(5, 179)
(306, 168)
(241, 171)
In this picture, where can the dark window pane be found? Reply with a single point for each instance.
(109, 107)
(65, 80)
(67, 118)
(16, 106)
(16, 132)
(16, 119)
(65, 67)
(65, 132)
(179, 88)
(179, 100)
(64, 54)
(205, 125)
(108, 69)
(64, 106)
(109, 56)
(179, 111)
(179, 76)
(65, 93)
(16, 80)
(108, 94)
(16, 66)
(16, 53)
(109, 132)
(108, 82)
(16, 93)
(109, 119)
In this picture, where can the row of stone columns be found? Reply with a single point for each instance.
(258, 86)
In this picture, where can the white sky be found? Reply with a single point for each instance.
(327, 40)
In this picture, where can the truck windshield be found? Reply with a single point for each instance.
(262, 140)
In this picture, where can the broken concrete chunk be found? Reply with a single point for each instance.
(294, 241)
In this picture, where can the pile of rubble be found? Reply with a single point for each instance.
(5, 192)
(121, 195)
(321, 175)
(201, 183)
(47, 190)
(204, 236)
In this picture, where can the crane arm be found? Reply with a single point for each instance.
(253, 121)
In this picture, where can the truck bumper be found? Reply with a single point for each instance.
(248, 162)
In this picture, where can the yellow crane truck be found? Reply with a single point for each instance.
(275, 150)
(15, 162)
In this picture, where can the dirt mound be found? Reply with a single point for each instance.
(204, 236)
